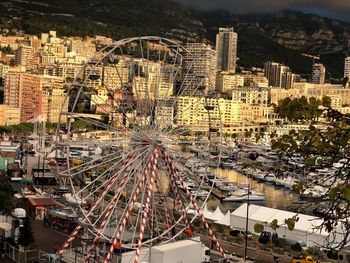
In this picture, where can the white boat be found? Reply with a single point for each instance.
(200, 193)
(270, 177)
(242, 195)
(280, 181)
(314, 192)
(227, 164)
(290, 182)
(228, 188)
(258, 175)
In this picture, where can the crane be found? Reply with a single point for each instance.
(311, 56)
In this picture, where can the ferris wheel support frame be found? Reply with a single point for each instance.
(143, 178)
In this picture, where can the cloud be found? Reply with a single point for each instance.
(263, 6)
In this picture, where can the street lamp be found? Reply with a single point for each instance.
(86, 239)
(246, 223)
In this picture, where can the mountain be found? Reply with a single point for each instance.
(281, 36)
(113, 18)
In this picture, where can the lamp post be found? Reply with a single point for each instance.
(86, 239)
(246, 223)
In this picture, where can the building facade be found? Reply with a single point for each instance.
(9, 116)
(227, 81)
(24, 91)
(199, 69)
(278, 75)
(226, 48)
(318, 73)
(347, 67)
(251, 95)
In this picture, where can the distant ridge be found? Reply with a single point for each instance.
(280, 36)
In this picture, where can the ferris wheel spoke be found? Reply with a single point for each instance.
(90, 164)
(134, 190)
(109, 183)
(130, 174)
(195, 205)
(146, 211)
(111, 168)
(175, 190)
(110, 209)
(151, 165)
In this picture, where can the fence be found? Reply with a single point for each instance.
(20, 256)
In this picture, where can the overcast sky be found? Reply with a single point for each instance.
(330, 8)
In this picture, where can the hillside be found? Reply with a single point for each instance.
(281, 36)
(113, 18)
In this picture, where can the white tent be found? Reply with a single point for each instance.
(216, 216)
(56, 153)
(225, 220)
(306, 228)
(98, 151)
(206, 212)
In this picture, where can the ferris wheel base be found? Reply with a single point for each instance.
(187, 251)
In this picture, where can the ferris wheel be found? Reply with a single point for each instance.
(133, 105)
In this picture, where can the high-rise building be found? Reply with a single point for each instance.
(318, 73)
(278, 75)
(24, 91)
(25, 56)
(199, 69)
(3, 71)
(53, 102)
(347, 68)
(226, 48)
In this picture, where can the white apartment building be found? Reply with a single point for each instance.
(347, 67)
(199, 69)
(227, 81)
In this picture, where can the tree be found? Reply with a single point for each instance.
(325, 145)
(5, 197)
(302, 109)
(26, 236)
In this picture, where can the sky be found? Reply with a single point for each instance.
(339, 9)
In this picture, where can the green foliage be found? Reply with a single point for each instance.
(258, 227)
(290, 222)
(326, 144)
(346, 192)
(26, 236)
(302, 109)
(345, 81)
(326, 102)
(7, 50)
(274, 224)
(81, 124)
(6, 193)
(22, 128)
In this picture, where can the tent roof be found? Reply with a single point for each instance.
(217, 215)
(225, 220)
(257, 213)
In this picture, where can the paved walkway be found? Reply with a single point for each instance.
(258, 256)
(46, 237)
